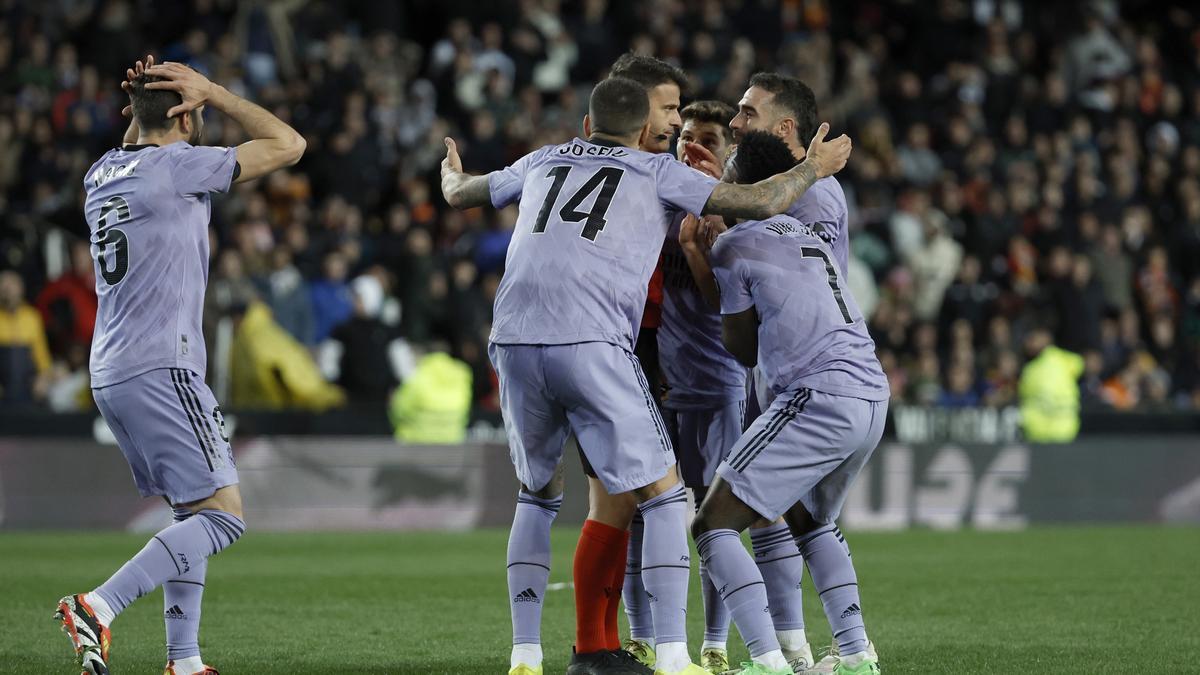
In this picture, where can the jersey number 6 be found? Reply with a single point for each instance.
(118, 209)
(608, 176)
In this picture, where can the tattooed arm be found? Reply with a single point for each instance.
(462, 190)
(776, 194)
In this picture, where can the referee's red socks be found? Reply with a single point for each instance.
(599, 574)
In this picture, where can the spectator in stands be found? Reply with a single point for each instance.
(373, 356)
(24, 353)
(1021, 129)
(68, 304)
(284, 291)
(332, 301)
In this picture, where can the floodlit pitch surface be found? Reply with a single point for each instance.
(1060, 600)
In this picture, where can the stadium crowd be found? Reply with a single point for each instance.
(1016, 164)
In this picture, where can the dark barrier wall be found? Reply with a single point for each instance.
(370, 482)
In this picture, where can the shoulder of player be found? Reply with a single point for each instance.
(825, 195)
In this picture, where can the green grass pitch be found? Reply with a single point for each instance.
(1058, 600)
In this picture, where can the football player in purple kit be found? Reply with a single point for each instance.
(593, 214)
(706, 394)
(148, 205)
(785, 307)
(787, 108)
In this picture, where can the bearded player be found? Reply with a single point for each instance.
(786, 308)
(147, 206)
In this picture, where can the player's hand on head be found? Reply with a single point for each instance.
(130, 75)
(193, 87)
(701, 158)
(452, 163)
(828, 156)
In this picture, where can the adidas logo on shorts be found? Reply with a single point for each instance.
(526, 595)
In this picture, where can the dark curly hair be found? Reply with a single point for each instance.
(760, 155)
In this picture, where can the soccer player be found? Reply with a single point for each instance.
(148, 208)
(786, 107)
(704, 406)
(783, 297)
(593, 214)
(599, 569)
(610, 543)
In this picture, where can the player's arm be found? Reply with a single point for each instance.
(739, 334)
(462, 190)
(694, 241)
(776, 194)
(272, 145)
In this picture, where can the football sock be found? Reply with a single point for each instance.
(529, 566)
(191, 664)
(637, 605)
(716, 615)
(169, 554)
(666, 567)
(744, 593)
(616, 586)
(781, 566)
(833, 576)
(597, 556)
(182, 596)
(528, 654)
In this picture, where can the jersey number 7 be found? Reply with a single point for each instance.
(606, 178)
(814, 252)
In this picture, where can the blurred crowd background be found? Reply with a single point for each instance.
(1017, 165)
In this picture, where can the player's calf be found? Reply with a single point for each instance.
(722, 516)
(836, 582)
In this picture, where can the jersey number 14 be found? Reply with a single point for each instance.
(606, 178)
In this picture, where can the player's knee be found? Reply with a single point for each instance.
(552, 490)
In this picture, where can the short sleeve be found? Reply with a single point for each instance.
(204, 170)
(506, 184)
(732, 282)
(683, 188)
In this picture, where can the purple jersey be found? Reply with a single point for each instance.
(700, 372)
(811, 332)
(592, 221)
(148, 208)
(823, 208)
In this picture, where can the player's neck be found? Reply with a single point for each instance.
(605, 139)
(159, 139)
(798, 151)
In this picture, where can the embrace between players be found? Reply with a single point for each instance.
(764, 289)
(594, 216)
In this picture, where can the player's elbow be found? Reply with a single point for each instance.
(453, 197)
(293, 150)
